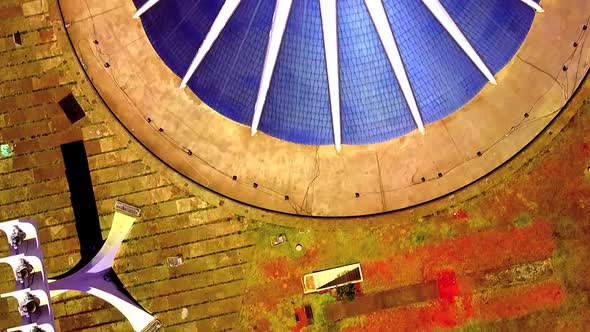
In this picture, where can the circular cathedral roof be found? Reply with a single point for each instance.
(390, 66)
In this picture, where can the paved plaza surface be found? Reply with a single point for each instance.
(506, 253)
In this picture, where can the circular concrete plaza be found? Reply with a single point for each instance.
(480, 80)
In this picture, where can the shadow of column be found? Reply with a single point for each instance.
(83, 202)
(94, 274)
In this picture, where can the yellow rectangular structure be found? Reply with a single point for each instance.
(326, 279)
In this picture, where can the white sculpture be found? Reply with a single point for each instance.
(34, 296)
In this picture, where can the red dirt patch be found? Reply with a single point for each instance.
(460, 215)
(282, 279)
(521, 301)
(277, 269)
(446, 283)
(438, 314)
(262, 325)
(311, 257)
(378, 269)
(358, 290)
(423, 318)
(487, 250)
(505, 206)
(490, 250)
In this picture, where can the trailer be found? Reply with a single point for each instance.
(332, 278)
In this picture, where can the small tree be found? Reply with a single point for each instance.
(347, 292)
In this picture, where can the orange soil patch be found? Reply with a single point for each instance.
(460, 215)
(478, 252)
(441, 314)
(505, 206)
(311, 256)
(558, 190)
(282, 279)
(262, 325)
(424, 318)
(520, 302)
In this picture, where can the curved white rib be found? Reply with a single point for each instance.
(145, 8)
(279, 23)
(437, 9)
(379, 18)
(220, 22)
(90, 278)
(104, 259)
(534, 5)
(330, 28)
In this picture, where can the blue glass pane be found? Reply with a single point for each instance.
(373, 109)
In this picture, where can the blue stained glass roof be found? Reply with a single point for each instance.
(373, 108)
